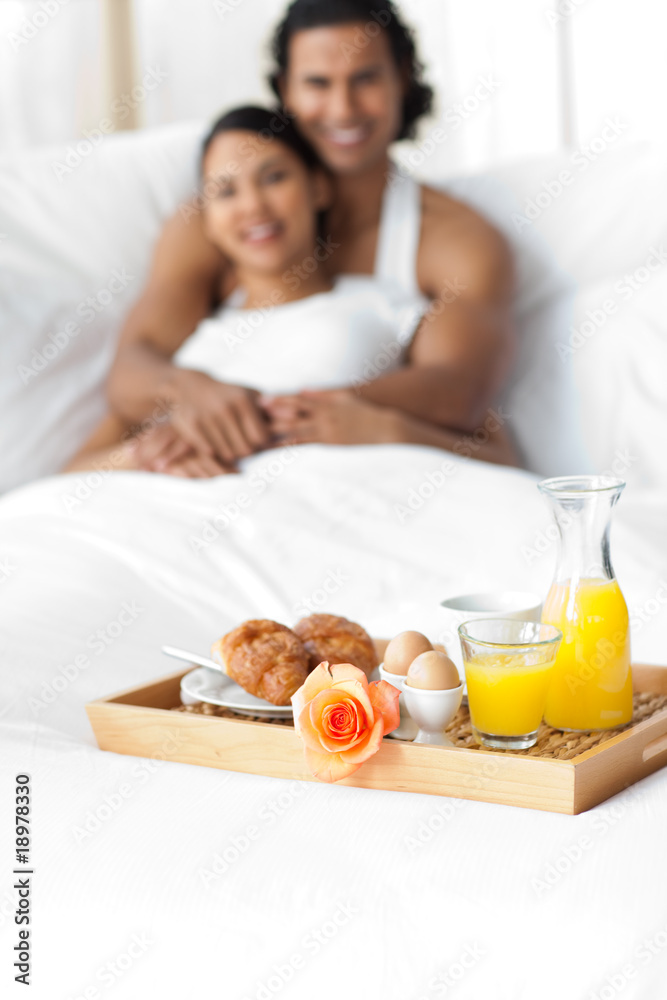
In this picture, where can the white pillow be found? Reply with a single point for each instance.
(68, 233)
(619, 349)
(606, 215)
(565, 228)
(540, 397)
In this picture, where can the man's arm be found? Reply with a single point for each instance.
(338, 416)
(465, 345)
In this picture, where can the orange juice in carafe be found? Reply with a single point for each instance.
(591, 681)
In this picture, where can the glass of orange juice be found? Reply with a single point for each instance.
(508, 666)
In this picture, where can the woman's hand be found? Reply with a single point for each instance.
(330, 416)
(156, 447)
(216, 419)
(193, 466)
(162, 449)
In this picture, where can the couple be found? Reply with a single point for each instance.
(267, 313)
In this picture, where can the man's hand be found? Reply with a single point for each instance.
(338, 416)
(216, 419)
(332, 416)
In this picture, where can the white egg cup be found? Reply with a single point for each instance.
(432, 711)
(407, 729)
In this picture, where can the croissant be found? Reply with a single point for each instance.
(332, 638)
(265, 658)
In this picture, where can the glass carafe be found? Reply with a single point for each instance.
(591, 686)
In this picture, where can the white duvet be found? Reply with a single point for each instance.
(165, 880)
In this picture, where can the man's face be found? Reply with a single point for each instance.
(346, 92)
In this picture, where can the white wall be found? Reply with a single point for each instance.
(50, 80)
(619, 66)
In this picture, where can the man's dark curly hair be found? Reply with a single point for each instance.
(304, 14)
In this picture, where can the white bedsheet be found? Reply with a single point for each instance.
(330, 891)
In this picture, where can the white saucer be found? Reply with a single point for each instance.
(206, 685)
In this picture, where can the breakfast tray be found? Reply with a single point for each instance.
(564, 772)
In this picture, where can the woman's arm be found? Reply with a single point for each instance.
(109, 445)
(156, 447)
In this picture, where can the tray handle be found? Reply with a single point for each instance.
(656, 747)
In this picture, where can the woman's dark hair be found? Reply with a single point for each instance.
(304, 14)
(270, 123)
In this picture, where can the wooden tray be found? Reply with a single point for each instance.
(139, 722)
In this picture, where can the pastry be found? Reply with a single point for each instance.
(265, 658)
(329, 637)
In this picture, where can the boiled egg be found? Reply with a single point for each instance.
(403, 649)
(433, 671)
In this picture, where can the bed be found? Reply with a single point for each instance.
(162, 879)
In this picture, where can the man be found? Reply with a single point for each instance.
(347, 71)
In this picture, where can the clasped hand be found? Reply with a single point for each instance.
(212, 425)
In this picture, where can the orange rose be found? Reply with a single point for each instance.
(342, 718)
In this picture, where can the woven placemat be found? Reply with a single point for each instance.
(203, 708)
(555, 743)
(551, 743)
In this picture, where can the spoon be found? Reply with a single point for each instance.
(201, 661)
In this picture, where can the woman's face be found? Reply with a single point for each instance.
(344, 88)
(261, 201)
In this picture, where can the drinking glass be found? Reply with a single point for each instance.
(508, 666)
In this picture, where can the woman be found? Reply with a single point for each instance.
(289, 328)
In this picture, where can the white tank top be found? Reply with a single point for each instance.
(354, 333)
(399, 233)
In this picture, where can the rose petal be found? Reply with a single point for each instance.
(307, 731)
(317, 680)
(315, 709)
(309, 728)
(341, 721)
(298, 704)
(384, 699)
(367, 747)
(356, 690)
(347, 671)
(329, 767)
